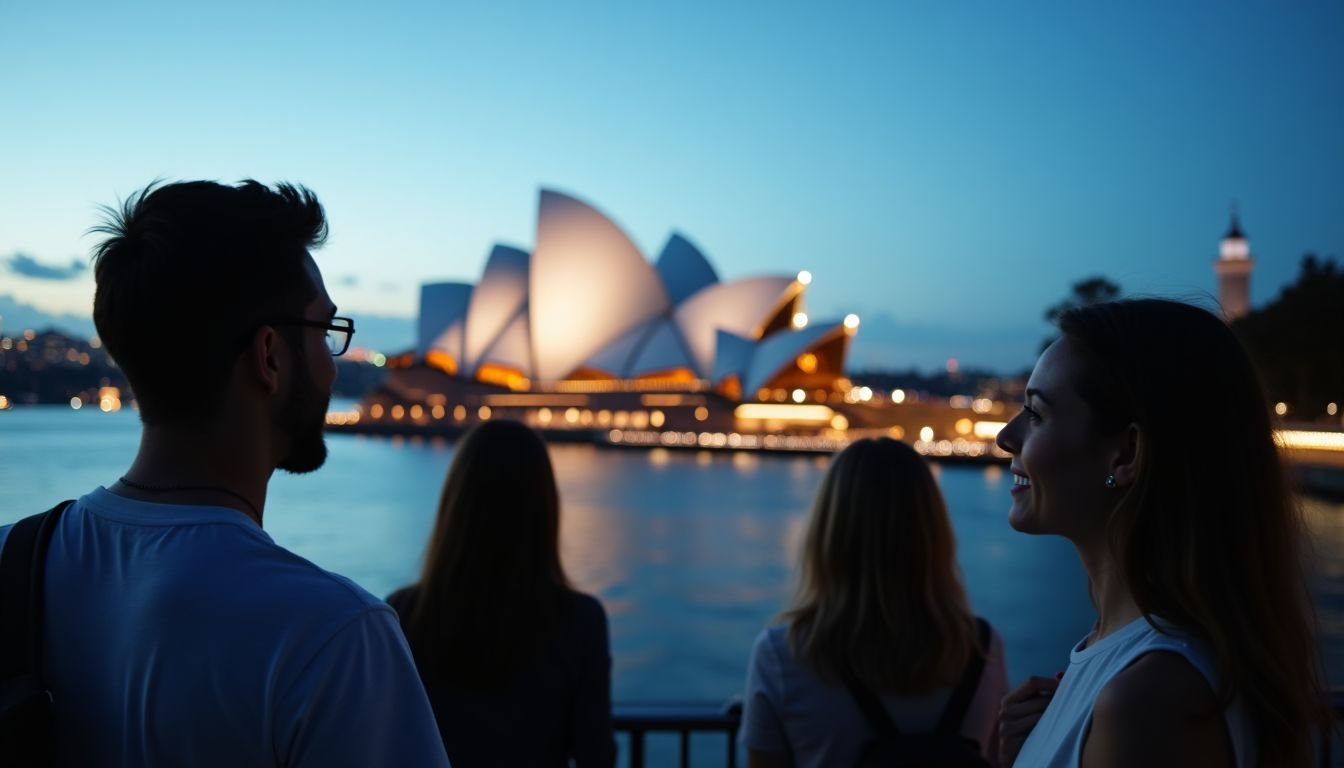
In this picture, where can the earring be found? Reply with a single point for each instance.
(1110, 481)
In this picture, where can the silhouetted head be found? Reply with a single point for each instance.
(1146, 436)
(500, 509)
(880, 591)
(195, 278)
(492, 581)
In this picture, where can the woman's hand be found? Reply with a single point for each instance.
(1020, 710)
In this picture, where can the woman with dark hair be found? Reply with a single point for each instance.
(1145, 440)
(880, 632)
(516, 663)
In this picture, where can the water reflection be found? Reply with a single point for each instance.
(691, 552)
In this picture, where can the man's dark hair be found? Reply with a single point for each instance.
(188, 271)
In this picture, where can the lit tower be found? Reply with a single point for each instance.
(1234, 266)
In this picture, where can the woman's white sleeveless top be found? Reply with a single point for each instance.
(1057, 739)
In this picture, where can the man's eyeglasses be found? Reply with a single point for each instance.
(339, 331)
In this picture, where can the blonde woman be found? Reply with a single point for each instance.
(880, 652)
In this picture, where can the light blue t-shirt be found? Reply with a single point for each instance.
(184, 636)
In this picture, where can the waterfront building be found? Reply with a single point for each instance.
(583, 337)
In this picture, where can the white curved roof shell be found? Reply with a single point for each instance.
(614, 358)
(662, 350)
(779, 350)
(739, 307)
(589, 284)
(442, 305)
(512, 348)
(499, 297)
(684, 269)
(732, 356)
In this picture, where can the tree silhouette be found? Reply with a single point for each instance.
(1297, 341)
(1093, 290)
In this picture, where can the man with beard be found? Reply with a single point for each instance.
(176, 631)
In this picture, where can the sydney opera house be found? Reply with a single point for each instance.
(585, 311)
(585, 335)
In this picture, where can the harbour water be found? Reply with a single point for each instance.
(690, 552)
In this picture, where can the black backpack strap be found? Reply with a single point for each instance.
(955, 712)
(873, 711)
(22, 569)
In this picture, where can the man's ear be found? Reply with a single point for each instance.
(265, 358)
(1125, 463)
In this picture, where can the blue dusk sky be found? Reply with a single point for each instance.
(945, 170)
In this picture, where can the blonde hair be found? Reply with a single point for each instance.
(880, 595)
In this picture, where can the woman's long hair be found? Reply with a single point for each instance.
(880, 595)
(1209, 536)
(492, 586)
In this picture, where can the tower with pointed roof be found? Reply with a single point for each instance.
(1233, 267)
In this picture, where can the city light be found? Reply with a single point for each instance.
(76, 403)
(799, 395)
(819, 414)
(926, 434)
(799, 319)
(805, 277)
(1331, 409)
(1312, 441)
(852, 322)
(988, 430)
(1281, 408)
(898, 396)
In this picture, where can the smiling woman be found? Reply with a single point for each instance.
(1203, 648)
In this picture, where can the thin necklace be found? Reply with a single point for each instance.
(256, 514)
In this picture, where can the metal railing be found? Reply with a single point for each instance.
(639, 719)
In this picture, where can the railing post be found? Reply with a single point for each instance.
(636, 749)
(734, 712)
(685, 748)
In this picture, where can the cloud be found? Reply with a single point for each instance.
(23, 264)
(348, 281)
